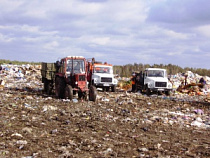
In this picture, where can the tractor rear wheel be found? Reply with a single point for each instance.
(59, 87)
(68, 92)
(92, 93)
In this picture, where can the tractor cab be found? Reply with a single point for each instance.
(71, 77)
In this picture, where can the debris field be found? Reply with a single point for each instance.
(118, 124)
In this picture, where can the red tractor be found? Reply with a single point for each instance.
(68, 77)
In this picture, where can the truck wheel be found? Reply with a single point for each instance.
(68, 92)
(133, 88)
(104, 89)
(59, 87)
(148, 92)
(113, 88)
(92, 93)
(168, 93)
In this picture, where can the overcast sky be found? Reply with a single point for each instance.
(117, 31)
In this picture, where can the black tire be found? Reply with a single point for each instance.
(59, 87)
(104, 89)
(113, 88)
(168, 93)
(80, 94)
(148, 92)
(85, 96)
(134, 88)
(49, 88)
(45, 85)
(107, 89)
(68, 92)
(92, 93)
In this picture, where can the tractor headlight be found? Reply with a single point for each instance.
(76, 82)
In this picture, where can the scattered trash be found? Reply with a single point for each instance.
(119, 124)
(75, 100)
(199, 111)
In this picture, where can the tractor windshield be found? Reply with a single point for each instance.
(78, 66)
(156, 73)
(107, 70)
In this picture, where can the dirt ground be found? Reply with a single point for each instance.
(118, 124)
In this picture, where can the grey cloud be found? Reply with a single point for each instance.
(113, 31)
(178, 14)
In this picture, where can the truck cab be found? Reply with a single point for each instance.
(156, 80)
(153, 80)
(101, 76)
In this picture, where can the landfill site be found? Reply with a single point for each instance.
(122, 123)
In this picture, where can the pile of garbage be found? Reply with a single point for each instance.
(191, 83)
(118, 124)
(20, 77)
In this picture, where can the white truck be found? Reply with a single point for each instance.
(102, 76)
(152, 80)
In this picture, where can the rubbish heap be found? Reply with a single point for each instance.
(118, 124)
(20, 77)
(188, 84)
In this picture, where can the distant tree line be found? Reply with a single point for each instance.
(3, 61)
(126, 70)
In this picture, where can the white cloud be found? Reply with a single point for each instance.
(6, 39)
(204, 30)
(51, 45)
(128, 31)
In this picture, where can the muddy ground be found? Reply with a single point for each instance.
(119, 124)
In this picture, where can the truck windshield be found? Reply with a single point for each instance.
(107, 70)
(78, 66)
(155, 73)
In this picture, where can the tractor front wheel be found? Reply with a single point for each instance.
(68, 92)
(80, 94)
